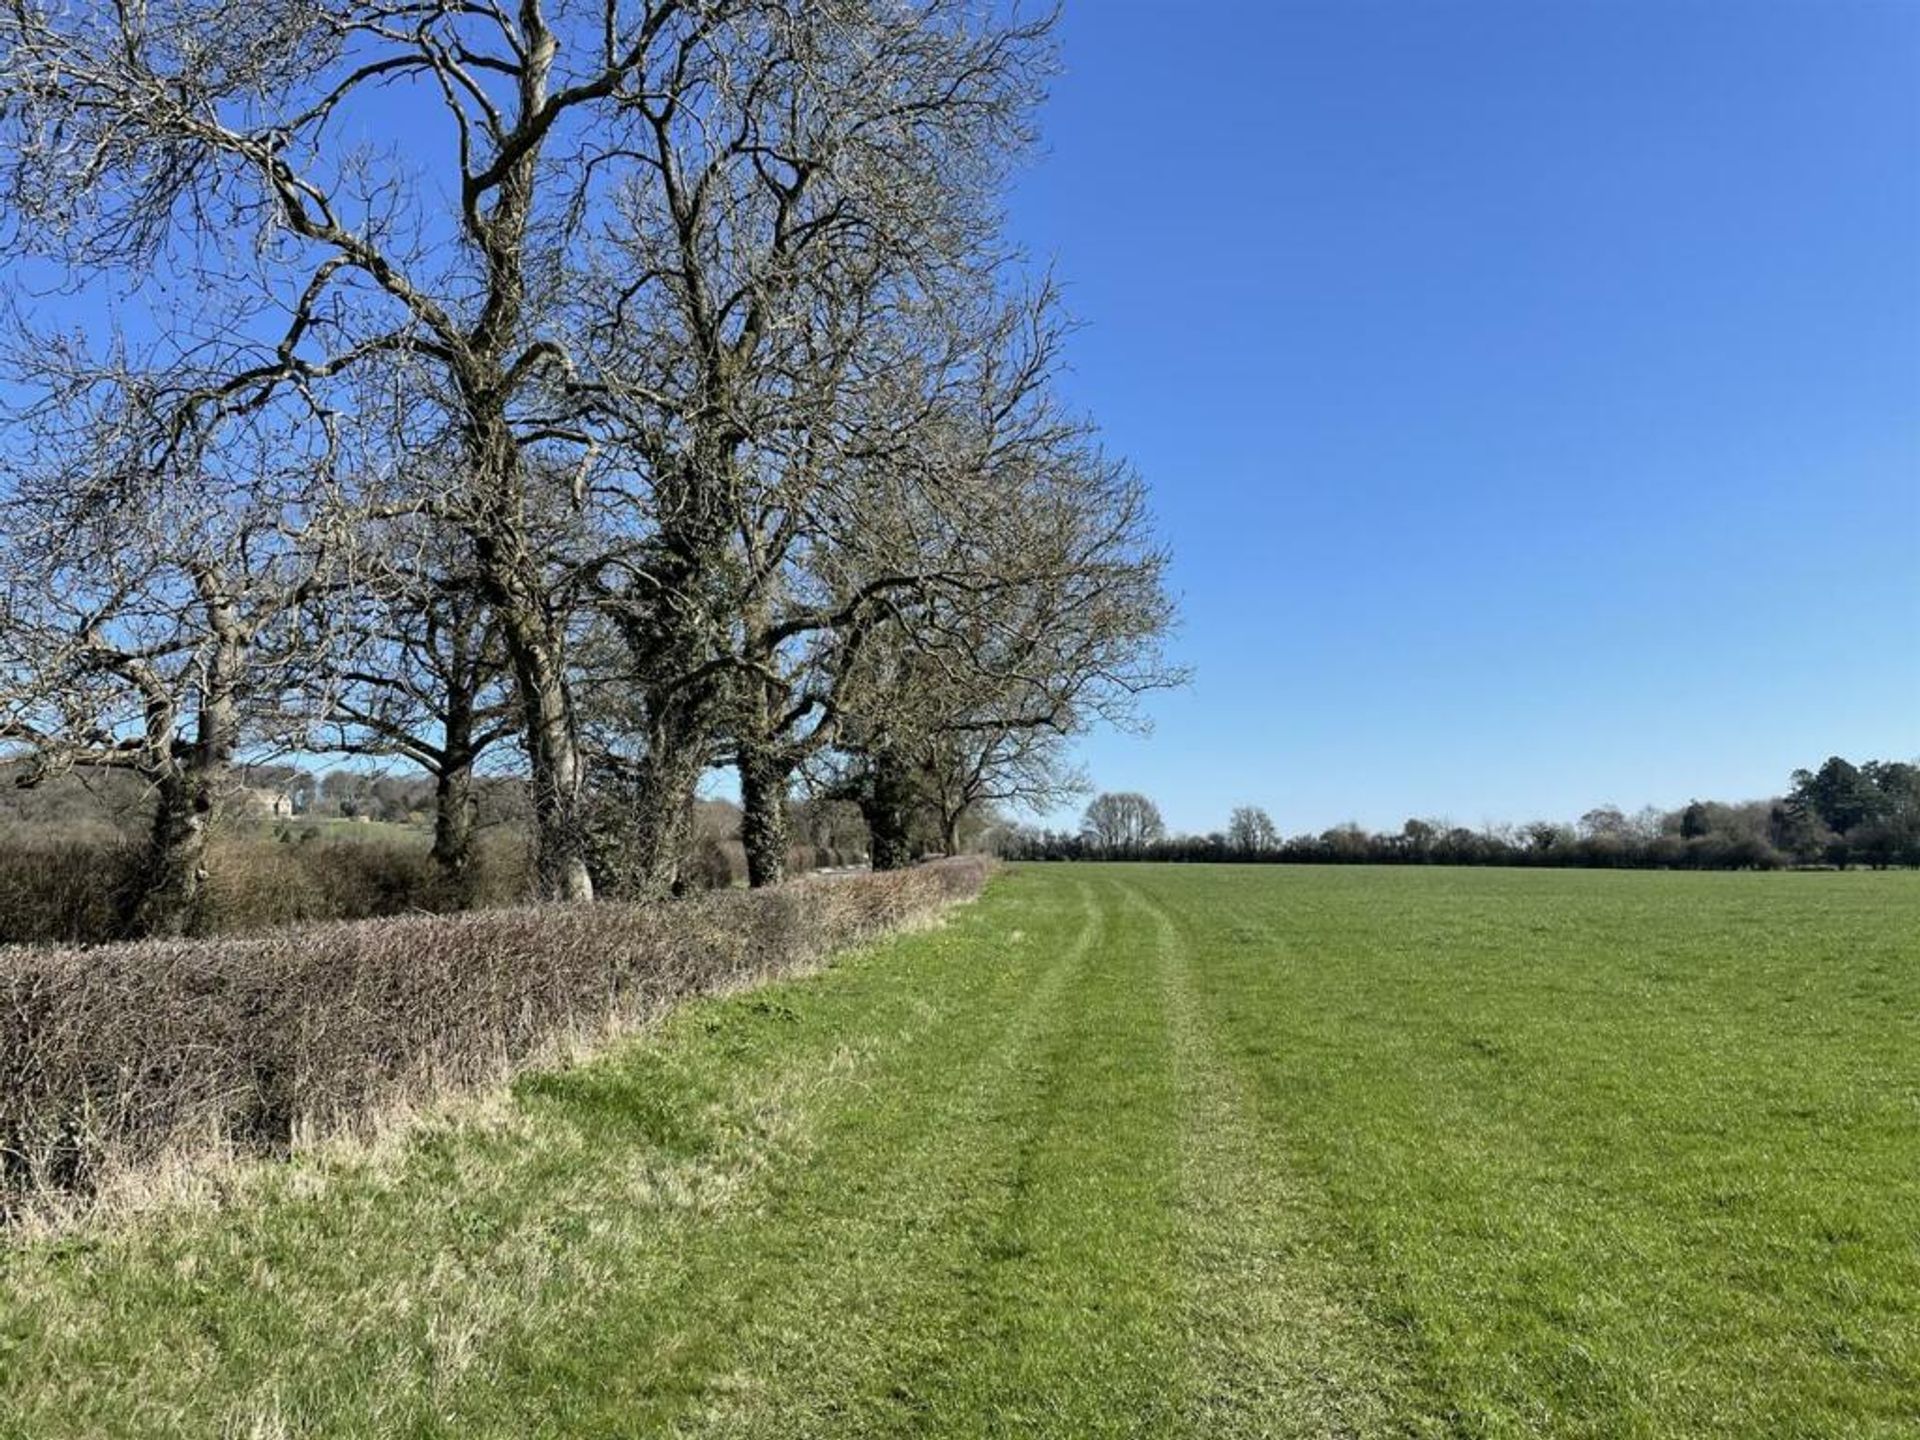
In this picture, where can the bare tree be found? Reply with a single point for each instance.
(1059, 627)
(151, 584)
(1122, 823)
(816, 204)
(979, 581)
(423, 678)
(1251, 831)
(964, 772)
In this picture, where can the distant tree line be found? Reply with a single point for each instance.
(1840, 815)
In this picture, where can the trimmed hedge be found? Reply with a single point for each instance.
(113, 1057)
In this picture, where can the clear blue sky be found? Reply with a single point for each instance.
(1530, 392)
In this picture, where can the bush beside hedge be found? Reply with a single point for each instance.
(75, 890)
(57, 890)
(113, 1057)
(66, 891)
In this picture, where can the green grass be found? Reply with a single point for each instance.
(1117, 1151)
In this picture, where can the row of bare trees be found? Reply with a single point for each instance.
(644, 385)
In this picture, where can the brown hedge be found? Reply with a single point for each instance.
(115, 1056)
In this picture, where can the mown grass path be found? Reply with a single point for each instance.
(1115, 1151)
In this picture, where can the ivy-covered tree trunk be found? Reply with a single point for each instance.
(647, 832)
(173, 872)
(672, 637)
(454, 803)
(189, 781)
(764, 829)
(887, 804)
(557, 772)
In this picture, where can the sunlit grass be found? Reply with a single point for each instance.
(1118, 1150)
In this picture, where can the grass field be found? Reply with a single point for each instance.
(1116, 1151)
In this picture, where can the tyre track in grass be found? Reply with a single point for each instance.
(880, 1302)
(702, 1319)
(776, 1315)
(1277, 1345)
(1068, 1318)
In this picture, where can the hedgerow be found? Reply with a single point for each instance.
(114, 1057)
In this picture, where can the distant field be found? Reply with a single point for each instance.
(1208, 1151)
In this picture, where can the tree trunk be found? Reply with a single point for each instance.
(535, 644)
(671, 639)
(453, 814)
(453, 797)
(556, 778)
(189, 782)
(657, 830)
(174, 869)
(763, 813)
(950, 831)
(553, 754)
(887, 805)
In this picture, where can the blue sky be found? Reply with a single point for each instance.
(1530, 392)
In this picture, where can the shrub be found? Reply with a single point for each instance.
(73, 892)
(111, 1058)
(65, 891)
(716, 863)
